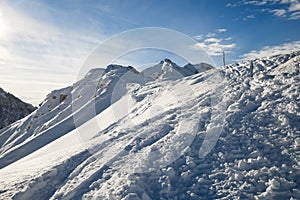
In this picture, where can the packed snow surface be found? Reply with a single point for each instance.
(226, 133)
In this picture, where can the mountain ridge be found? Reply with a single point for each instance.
(12, 108)
(65, 106)
(240, 138)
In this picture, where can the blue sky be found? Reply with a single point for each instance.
(44, 43)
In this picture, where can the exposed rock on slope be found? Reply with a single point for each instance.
(12, 108)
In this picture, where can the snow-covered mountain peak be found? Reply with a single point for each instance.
(115, 67)
(201, 67)
(94, 73)
(169, 70)
(97, 73)
(116, 73)
(166, 60)
(168, 65)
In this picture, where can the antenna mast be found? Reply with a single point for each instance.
(224, 60)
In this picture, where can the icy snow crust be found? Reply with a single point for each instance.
(124, 151)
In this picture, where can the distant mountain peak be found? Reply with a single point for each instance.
(167, 69)
(168, 65)
(166, 60)
(119, 68)
(12, 108)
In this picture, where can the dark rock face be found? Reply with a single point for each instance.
(12, 108)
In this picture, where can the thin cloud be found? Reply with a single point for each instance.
(212, 40)
(278, 12)
(211, 35)
(214, 43)
(198, 37)
(215, 49)
(221, 30)
(256, 3)
(215, 46)
(272, 50)
(295, 15)
(235, 4)
(32, 45)
(27, 37)
(289, 9)
(249, 17)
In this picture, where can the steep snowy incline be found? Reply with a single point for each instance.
(63, 110)
(165, 106)
(12, 109)
(157, 141)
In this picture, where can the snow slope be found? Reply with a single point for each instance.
(63, 110)
(156, 140)
(12, 109)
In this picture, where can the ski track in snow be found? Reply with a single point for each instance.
(162, 143)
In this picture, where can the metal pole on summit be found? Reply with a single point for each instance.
(224, 60)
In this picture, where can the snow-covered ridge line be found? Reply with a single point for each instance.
(65, 109)
(262, 64)
(257, 155)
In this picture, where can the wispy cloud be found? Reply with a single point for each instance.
(198, 37)
(210, 35)
(221, 30)
(286, 9)
(272, 50)
(212, 40)
(214, 44)
(278, 12)
(33, 50)
(234, 4)
(295, 15)
(252, 16)
(256, 3)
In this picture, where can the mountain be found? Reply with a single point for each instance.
(12, 108)
(226, 133)
(166, 69)
(65, 109)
